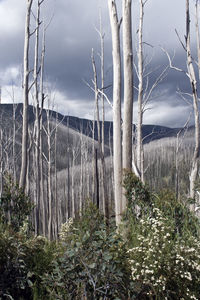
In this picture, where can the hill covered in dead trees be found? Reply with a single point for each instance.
(71, 161)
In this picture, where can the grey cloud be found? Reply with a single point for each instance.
(71, 36)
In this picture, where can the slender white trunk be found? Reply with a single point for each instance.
(42, 194)
(117, 143)
(128, 89)
(37, 123)
(56, 204)
(73, 183)
(81, 175)
(128, 85)
(140, 95)
(193, 83)
(14, 143)
(49, 180)
(22, 181)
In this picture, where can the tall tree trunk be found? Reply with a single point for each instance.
(140, 95)
(41, 167)
(14, 143)
(94, 184)
(69, 202)
(117, 144)
(22, 181)
(193, 83)
(128, 89)
(56, 200)
(128, 85)
(104, 193)
(49, 179)
(81, 174)
(73, 182)
(37, 123)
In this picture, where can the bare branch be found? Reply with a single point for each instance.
(180, 40)
(101, 92)
(181, 94)
(171, 65)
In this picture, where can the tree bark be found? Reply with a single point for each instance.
(128, 85)
(193, 83)
(128, 90)
(140, 95)
(117, 144)
(22, 181)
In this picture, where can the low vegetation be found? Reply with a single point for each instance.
(155, 254)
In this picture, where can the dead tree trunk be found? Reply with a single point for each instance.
(41, 165)
(128, 85)
(104, 194)
(37, 122)
(101, 138)
(140, 95)
(128, 89)
(22, 181)
(193, 83)
(117, 143)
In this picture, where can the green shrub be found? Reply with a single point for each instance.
(136, 192)
(13, 274)
(15, 206)
(23, 263)
(185, 220)
(92, 262)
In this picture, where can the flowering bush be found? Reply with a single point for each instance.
(65, 228)
(164, 264)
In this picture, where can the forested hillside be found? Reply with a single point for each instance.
(70, 149)
(92, 209)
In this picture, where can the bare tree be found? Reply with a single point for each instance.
(101, 136)
(128, 89)
(41, 167)
(190, 73)
(193, 83)
(140, 94)
(117, 144)
(22, 181)
(36, 73)
(128, 85)
(103, 183)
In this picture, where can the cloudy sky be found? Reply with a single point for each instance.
(70, 38)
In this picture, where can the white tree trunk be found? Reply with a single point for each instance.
(42, 194)
(37, 123)
(140, 95)
(22, 181)
(128, 85)
(117, 144)
(128, 89)
(193, 83)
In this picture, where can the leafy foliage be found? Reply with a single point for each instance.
(92, 262)
(161, 238)
(15, 206)
(23, 263)
(155, 256)
(13, 282)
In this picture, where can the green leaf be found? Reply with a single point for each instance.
(92, 266)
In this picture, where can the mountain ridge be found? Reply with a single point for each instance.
(149, 132)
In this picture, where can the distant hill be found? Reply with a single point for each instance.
(149, 132)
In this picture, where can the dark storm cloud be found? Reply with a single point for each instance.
(70, 38)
